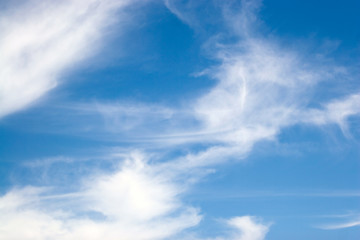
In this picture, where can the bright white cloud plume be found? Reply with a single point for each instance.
(42, 39)
(138, 201)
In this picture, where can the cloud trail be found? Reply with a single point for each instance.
(340, 225)
(348, 220)
(40, 40)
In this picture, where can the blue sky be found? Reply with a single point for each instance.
(179, 119)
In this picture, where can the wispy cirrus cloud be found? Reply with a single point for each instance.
(41, 40)
(336, 112)
(243, 228)
(341, 221)
(261, 88)
(340, 225)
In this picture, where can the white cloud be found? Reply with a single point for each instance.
(135, 193)
(337, 111)
(243, 228)
(184, 10)
(340, 225)
(248, 228)
(42, 39)
(347, 220)
(262, 87)
(135, 202)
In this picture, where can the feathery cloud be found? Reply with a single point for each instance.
(41, 40)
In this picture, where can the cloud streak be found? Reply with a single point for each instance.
(340, 225)
(42, 39)
(348, 221)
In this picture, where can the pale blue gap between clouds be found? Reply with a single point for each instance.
(262, 88)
